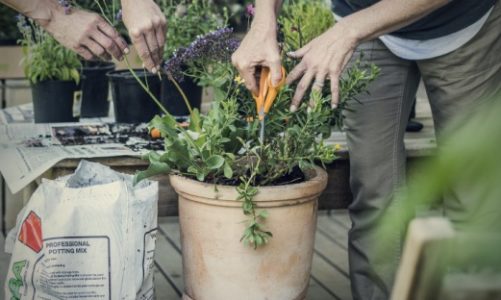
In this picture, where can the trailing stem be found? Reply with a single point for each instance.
(180, 90)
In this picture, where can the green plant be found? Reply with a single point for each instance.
(223, 147)
(188, 19)
(302, 21)
(44, 58)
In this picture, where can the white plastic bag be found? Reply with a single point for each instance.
(90, 235)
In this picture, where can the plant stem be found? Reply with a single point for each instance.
(145, 88)
(180, 90)
(103, 13)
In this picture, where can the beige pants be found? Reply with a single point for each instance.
(455, 83)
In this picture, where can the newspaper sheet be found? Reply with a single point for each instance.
(28, 150)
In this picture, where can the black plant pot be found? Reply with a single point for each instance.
(172, 99)
(95, 89)
(132, 104)
(54, 101)
(8, 42)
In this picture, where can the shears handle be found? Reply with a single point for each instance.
(267, 92)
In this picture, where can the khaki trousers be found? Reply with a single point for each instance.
(455, 83)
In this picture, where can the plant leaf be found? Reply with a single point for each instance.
(215, 162)
(195, 121)
(156, 167)
(166, 125)
(228, 172)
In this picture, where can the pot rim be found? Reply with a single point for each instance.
(105, 65)
(297, 192)
(119, 74)
(46, 81)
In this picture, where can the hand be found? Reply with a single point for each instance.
(323, 58)
(147, 28)
(258, 48)
(86, 33)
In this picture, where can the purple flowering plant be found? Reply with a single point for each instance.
(202, 58)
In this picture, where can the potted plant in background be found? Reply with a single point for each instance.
(131, 89)
(220, 167)
(53, 72)
(186, 21)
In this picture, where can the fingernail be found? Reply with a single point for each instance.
(154, 70)
(334, 106)
(309, 110)
(126, 50)
(293, 108)
(291, 53)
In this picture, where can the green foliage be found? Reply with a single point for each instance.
(44, 58)
(303, 20)
(188, 19)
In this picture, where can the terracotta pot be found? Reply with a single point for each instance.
(216, 265)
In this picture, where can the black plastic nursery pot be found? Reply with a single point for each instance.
(56, 101)
(95, 89)
(131, 103)
(172, 99)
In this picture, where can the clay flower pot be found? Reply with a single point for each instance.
(216, 265)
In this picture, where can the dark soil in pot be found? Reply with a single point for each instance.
(295, 176)
(172, 99)
(56, 101)
(131, 103)
(95, 89)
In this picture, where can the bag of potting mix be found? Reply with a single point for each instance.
(90, 235)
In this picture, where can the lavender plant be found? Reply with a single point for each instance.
(205, 59)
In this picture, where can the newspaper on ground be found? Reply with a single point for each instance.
(89, 235)
(28, 150)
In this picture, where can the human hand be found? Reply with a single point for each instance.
(147, 28)
(86, 33)
(258, 48)
(323, 58)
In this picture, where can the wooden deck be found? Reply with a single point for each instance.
(329, 278)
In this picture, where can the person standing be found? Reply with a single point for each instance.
(455, 46)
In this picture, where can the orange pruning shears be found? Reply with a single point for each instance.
(267, 95)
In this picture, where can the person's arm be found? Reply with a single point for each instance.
(84, 32)
(260, 47)
(147, 28)
(327, 55)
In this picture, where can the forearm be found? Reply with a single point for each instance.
(266, 13)
(386, 16)
(42, 11)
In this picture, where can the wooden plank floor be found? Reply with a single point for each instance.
(329, 278)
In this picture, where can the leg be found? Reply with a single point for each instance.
(456, 84)
(375, 129)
